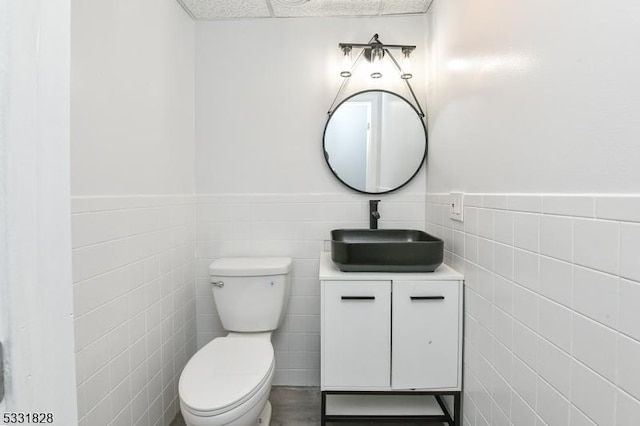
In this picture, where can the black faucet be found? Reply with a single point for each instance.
(374, 215)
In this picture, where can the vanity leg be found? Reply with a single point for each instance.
(457, 409)
(323, 408)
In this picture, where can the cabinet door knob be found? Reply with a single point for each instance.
(358, 297)
(426, 297)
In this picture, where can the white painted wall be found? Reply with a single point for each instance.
(540, 98)
(533, 96)
(36, 299)
(133, 222)
(5, 330)
(132, 90)
(263, 91)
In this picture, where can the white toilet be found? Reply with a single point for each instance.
(228, 381)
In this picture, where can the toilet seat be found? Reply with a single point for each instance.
(224, 374)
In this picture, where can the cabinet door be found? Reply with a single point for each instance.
(425, 334)
(356, 334)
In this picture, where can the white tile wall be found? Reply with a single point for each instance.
(552, 325)
(134, 304)
(294, 225)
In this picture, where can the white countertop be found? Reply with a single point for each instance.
(329, 271)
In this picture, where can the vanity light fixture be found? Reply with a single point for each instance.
(375, 51)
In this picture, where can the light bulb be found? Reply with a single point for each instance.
(376, 62)
(406, 64)
(346, 62)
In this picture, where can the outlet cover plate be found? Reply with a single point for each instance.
(456, 206)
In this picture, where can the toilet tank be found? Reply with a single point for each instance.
(251, 294)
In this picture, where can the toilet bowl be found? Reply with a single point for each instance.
(228, 381)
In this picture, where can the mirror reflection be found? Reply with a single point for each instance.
(375, 142)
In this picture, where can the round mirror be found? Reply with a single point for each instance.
(375, 142)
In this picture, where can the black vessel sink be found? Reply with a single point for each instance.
(385, 250)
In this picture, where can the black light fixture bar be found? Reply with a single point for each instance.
(376, 44)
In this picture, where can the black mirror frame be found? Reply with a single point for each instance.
(422, 161)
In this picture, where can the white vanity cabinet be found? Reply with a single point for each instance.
(391, 344)
(425, 330)
(356, 336)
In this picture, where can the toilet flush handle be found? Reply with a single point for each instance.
(219, 284)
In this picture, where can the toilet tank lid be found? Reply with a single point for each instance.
(250, 266)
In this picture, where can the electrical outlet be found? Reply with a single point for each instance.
(456, 206)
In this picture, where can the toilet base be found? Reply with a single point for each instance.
(265, 415)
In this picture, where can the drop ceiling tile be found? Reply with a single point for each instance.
(226, 9)
(393, 7)
(327, 8)
(308, 9)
